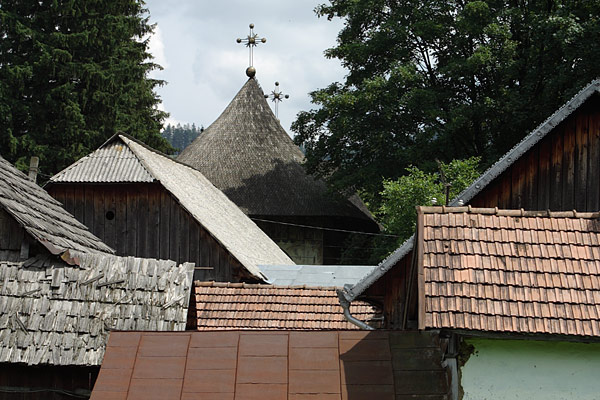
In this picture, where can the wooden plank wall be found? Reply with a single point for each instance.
(144, 220)
(38, 379)
(562, 172)
(11, 233)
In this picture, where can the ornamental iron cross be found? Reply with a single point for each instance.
(251, 41)
(277, 97)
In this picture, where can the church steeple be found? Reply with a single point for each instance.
(251, 41)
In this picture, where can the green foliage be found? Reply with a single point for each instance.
(73, 73)
(442, 79)
(417, 188)
(181, 136)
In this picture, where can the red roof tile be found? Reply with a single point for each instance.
(510, 270)
(223, 306)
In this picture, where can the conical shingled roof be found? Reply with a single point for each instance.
(248, 155)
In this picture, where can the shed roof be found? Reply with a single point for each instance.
(249, 156)
(59, 314)
(42, 217)
(222, 306)
(244, 240)
(509, 271)
(314, 275)
(250, 365)
(485, 179)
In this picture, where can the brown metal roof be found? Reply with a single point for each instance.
(225, 306)
(509, 271)
(249, 156)
(267, 366)
(43, 217)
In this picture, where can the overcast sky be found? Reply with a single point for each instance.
(195, 42)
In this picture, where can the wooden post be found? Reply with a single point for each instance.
(33, 168)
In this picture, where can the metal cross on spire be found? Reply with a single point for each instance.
(277, 97)
(251, 41)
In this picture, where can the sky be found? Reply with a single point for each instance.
(195, 43)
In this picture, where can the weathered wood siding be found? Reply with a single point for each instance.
(46, 382)
(314, 246)
(144, 220)
(562, 172)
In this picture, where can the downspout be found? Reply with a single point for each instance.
(346, 307)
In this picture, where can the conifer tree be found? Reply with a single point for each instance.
(73, 73)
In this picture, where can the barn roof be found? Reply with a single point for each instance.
(509, 271)
(222, 306)
(59, 314)
(315, 275)
(485, 179)
(257, 365)
(197, 195)
(42, 217)
(249, 156)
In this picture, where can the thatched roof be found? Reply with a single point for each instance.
(249, 156)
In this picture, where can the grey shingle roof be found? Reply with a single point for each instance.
(249, 156)
(41, 216)
(59, 314)
(112, 162)
(315, 275)
(480, 183)
(196, 194)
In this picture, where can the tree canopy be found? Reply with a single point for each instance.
(181, 136)
(442, 79)
(73, 73)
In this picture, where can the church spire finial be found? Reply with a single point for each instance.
(277, 97)
(251, 41)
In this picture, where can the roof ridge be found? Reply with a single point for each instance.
(507, 212)
(244, 285)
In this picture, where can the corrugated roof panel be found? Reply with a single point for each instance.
(112, 163)
(315, 275)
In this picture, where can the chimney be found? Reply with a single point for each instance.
(33, 168)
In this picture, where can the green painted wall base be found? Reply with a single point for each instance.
(530, 369)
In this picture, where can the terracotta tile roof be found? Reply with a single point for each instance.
(225, 306)
(267, 365)
(509, 270)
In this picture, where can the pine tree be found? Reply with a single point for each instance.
(73, 73)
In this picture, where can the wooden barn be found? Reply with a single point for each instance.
(145, 204)
(61, 292)
(249, 156)
(555, 167)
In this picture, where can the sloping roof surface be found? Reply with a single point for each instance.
(252, 365)
(486, 178)
(207, 204)
(43, 217)
(54, 313)
(510, 271)
(314, 275)
(113, 162)
(222, 306)
(249, 156)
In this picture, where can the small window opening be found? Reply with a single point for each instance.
(110, 215)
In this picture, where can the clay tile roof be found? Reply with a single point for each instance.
(509, 271)
(508, 159)
(222, 306)
(42, 217)
(248, 155)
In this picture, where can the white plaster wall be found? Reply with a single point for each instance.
(527, 369)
